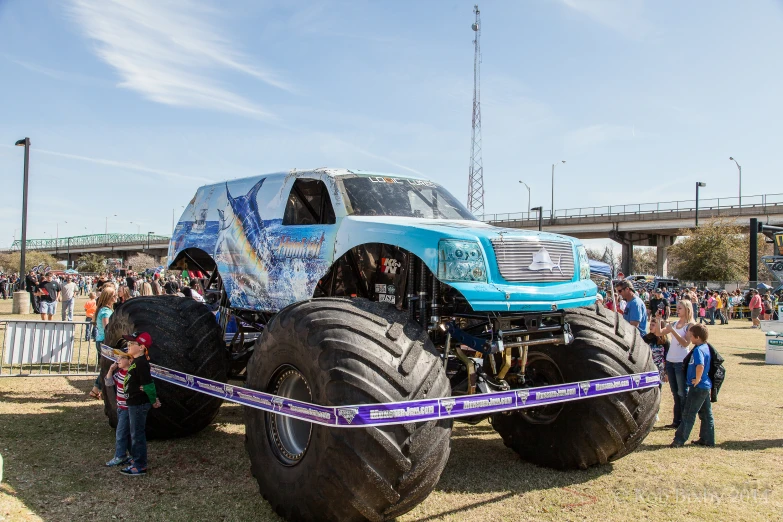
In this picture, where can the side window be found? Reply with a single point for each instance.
(309, 204)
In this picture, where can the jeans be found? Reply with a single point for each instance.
(34, 302)
(122, 445)
(98, 381)
(67, 310)
(698, 402)
(695, 310)
(711, 315)
(676, 374)
(138, 425)
(722, 315)
(88, 329)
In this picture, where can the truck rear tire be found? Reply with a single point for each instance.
(337, 352)
(186, 338)
(580, 434)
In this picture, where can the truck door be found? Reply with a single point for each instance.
(302, 245)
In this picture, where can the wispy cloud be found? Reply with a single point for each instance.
(119, 164)
(624, 16)
(333, 144)
(60, 75)
(168, 52)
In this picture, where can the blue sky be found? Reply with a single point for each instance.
(132, 105)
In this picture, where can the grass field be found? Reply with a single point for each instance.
(54, 442)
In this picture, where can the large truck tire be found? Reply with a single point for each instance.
(580, 434)
(337, 352)
(186, 338)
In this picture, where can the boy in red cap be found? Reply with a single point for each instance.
(141, 396)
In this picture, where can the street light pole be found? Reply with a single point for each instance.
(698, 184)
(528, 196)
(106, 232)
(540, 211)
(148, 240)
(552, 217)
(22, 272)
(739, 168)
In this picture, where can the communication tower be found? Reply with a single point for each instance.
(476, 170)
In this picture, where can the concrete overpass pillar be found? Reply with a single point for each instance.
(662, 244)
(626, 242)
(627, 261)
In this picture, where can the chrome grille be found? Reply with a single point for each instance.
(515, 256)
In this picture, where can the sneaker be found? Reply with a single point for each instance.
(672, 426)
(132, 471)
(118, 461)
(675, 444)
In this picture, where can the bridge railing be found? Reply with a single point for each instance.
(714, 204)
(65, 243)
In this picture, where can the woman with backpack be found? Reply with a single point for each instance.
(679, 343)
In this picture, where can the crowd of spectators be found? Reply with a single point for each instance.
(51, 290)
(708, 306)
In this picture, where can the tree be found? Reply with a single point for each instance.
(141, 262)
(716, 251)
(10, 262)
(91, 263)
(645, 260)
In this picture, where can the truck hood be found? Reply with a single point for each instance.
(456, 229)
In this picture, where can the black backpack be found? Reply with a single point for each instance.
(716, 373)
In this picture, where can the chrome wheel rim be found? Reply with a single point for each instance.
(289, 437)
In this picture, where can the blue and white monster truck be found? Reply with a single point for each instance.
(340, 287)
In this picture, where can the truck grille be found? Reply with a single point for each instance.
(516, 260)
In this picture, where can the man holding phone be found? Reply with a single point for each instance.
(659, 305)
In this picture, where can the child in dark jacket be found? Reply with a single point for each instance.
(142, 396)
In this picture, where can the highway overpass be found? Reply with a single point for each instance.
(109, 245)
(645, 224)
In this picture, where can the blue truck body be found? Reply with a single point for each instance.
(267, 265)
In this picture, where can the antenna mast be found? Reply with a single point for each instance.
(476, 170)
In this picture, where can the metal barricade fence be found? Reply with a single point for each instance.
(47, 348)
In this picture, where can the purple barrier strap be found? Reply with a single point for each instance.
(407, 411)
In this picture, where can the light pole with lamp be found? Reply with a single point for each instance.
(528, 196)
(26, 144)
(148, 240)
(138, 227)
(698, 184)
(552, 217)
(106, 231)
(739, 168)
(540, 211)
(21, 300)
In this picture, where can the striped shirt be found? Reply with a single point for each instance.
(119, 380)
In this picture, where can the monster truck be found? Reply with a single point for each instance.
(345, 287)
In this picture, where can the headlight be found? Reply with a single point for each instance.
(461, 261)
(584, 263)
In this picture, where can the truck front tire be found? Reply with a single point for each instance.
(186, 338)
(337, 352)
(580, 434)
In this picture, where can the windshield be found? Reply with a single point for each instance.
(385, 196)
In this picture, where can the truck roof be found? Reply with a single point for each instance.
(332, 172)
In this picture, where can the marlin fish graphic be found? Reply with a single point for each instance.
(241, 243)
